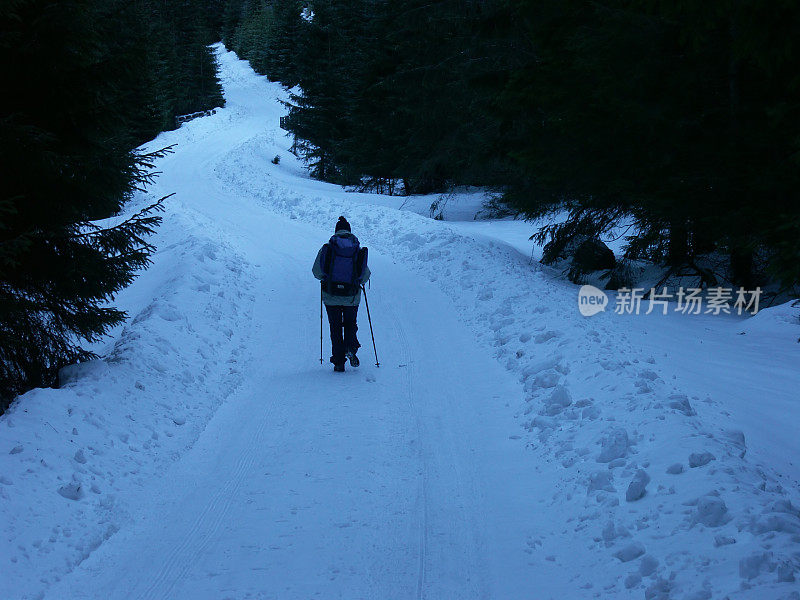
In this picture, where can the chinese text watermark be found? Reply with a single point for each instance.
(688, 301)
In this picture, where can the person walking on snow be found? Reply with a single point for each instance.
(341, 266)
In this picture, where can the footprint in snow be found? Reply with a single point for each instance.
(630, 552)
(71, 491)
(614, 444)
(710, 511)
(546, 337)
(680, 403)
(638, 486)
(700, 459)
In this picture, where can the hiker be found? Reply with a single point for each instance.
(341, 266)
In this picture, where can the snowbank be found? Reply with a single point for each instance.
(76, 461)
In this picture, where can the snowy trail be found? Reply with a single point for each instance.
(366, 490)
(302, 485)
(491, 456)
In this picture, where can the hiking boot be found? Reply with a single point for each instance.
(351, 356)
(338, 368)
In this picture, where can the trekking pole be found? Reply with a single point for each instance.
(377, 364)
(320, 327)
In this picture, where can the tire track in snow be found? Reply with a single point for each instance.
(204, 528)
(450, 560)
(407, 359)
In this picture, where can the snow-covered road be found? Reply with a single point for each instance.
(305, 484)
(492, 455)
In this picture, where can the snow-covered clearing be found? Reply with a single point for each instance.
(506, 448)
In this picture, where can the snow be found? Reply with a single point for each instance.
(638, 486)
(507, 447)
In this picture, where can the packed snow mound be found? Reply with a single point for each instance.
(775, 324)
(81, 457)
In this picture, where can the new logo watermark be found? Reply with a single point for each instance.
(692, 301)
(591, 300)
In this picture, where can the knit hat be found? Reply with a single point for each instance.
(342, 224)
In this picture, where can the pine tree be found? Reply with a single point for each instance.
(663, 114)
(232, 16)
(327, 74)
(285, 41)
(65, 147)
(252, 35)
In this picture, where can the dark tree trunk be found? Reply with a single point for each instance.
(424, 185)
(742, 268)
(678, 249)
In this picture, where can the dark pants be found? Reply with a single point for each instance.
(342, 320)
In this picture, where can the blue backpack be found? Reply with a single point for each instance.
(343, 261)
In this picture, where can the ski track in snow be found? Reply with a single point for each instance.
(206, 457)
